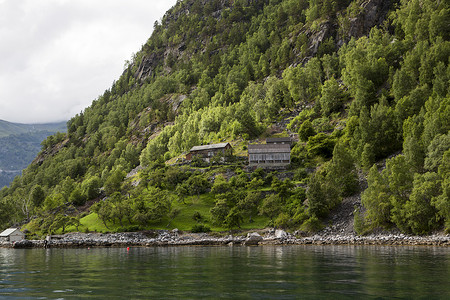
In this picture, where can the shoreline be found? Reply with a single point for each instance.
(164, 238)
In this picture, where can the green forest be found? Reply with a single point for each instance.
(361, 86)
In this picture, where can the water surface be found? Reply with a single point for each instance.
(269, 272)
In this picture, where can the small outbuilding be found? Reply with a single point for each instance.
(206, 152)
(269, 155)
(12, 235)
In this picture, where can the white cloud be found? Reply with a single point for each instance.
(56, 56)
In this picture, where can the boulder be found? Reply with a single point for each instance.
(280, 234)
(23, 244)
(253, 239)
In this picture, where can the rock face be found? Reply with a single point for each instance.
(160, 57)
(52, 151)
(148, 65)
(326, 30)
(373, 13)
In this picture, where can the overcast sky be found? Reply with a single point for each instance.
(56, 56)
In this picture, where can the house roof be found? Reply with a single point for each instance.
(8, 231)
(279, 140)
(209, 147)
(269, 148)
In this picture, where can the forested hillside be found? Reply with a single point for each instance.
(362, 85)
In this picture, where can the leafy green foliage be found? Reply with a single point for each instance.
(332, 97)
(200, 228)
(306, 130)
(322, 196)
(320, 144)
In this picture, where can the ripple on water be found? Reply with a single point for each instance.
(231, 272)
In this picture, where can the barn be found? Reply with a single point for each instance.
(269, 155)
(12, 235)
(206, 152)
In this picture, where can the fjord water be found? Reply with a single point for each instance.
(269, 272)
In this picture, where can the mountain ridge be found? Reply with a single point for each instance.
(11, 128)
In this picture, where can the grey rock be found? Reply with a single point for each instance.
(280, 234)
(253, 239)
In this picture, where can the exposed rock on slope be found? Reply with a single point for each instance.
(372, 13)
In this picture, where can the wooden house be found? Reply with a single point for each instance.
(206, 152)
(12, 235)
(269, 155)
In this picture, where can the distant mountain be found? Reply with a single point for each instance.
(8, 128)
(19, 144)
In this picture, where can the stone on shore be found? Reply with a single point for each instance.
(253, 239)
(280, 234)
(178, 238)
(23, 244)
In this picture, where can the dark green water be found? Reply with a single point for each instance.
(278, 272)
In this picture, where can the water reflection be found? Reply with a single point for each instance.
(282, 272)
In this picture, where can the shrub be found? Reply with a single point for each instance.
(197, 217)
(300, 174)
(284, 221)
(200, 228)
(313, 224)
(359, 224)
(320, 145)
(198, 162)
(132, 228)
(306, 130)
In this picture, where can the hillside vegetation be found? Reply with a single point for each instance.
(362, 85)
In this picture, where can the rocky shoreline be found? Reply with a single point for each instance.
(269, 237)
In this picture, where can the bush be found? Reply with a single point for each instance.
(306, 130)
(313, 224)
(197, 217)
(359, 225)
(284, 221)
(300, 174)
(320, 145)
(77, 197)
(198, 162)
(132, 228)
(200, 228)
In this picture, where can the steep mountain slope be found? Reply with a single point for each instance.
(359, 83)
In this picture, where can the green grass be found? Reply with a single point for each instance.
(183, 221)
(93, 223)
